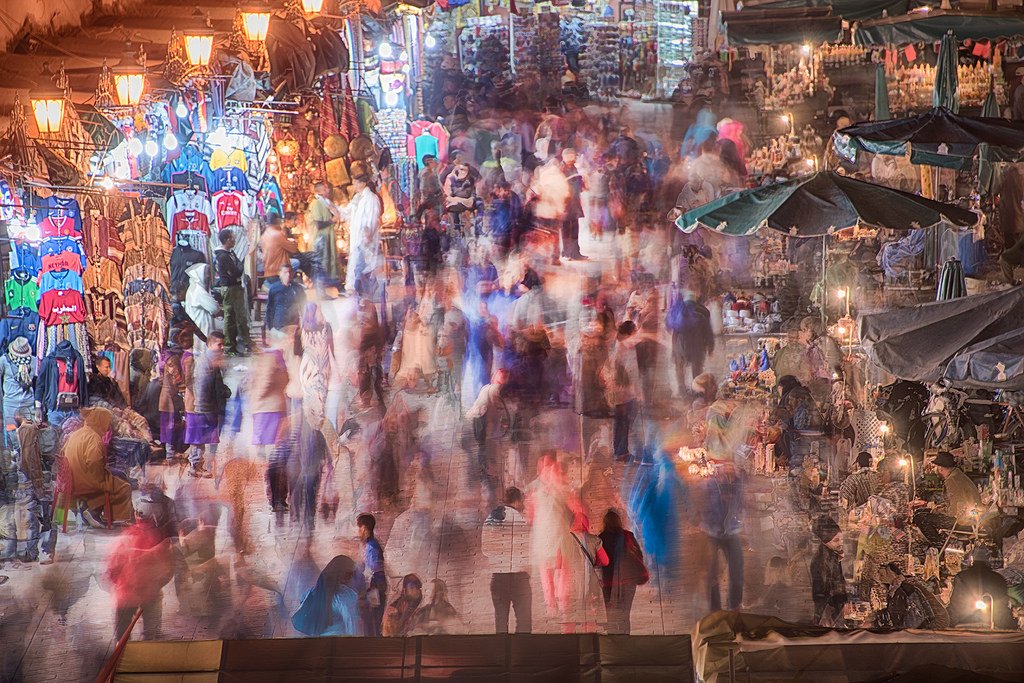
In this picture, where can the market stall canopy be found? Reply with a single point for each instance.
(769, 649)
(937, 137)
(916, 343)
(850, 10)
(780, 26)
(820, 204)
(929, 27)
(996, 363)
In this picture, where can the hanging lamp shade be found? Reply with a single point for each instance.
(198, 38)
(256, 20)
(312, 6)
(129, 78)
(47, 103)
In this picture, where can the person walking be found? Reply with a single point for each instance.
(693, 339)
(623, 573)
(722, 522)
(202, 428)
(371, 570)
(139, 566)
(506, 545)
(580, 557)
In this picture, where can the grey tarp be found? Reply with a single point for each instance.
(996, 363)
(769, 649)
(916, 343)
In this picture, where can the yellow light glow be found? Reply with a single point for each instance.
(841, 330)
(198, 49)
(981, 604)
(903, 462)
(784, 118)
(49, 113)
(129, 88)
(312, 6)
(884, 428)
(256, 24)
(841, 293)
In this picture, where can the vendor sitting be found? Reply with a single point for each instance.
(961, 496)
(861, 484)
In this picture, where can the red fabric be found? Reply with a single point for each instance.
(63, 385)
(67, 260)
(190, 220)
(229, 209)
(140, 565)
(349, 123)
(52, 226)
(62, 307)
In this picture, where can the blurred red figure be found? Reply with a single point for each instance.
(139, 566)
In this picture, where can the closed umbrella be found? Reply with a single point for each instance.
(881, 96)
(945, 93)
(952, 284)
(990, 108)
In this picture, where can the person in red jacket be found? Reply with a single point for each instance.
(139, 566)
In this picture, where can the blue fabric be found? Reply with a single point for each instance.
(972, 254)
(20, 322)
(52, 246)
(894, 256)
(25, 256)
(62, 280)
(425, 144)
(230, 179)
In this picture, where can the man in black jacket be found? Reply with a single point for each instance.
(285, 300)
(236, 315)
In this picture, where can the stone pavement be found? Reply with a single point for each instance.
(56, 622)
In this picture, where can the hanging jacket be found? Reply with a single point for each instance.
(46, 382)
(291, 55)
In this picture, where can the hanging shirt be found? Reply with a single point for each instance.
(231, 208)
(10, 203)
(190, 221)
(60, 226)
(25, 256)
(66, 260)
(62, 307)
(57, 209)
(64, 384)
(61, 279)
(236, 158)
(194, 201)
(20, 322)
(229, 179)
(21, 290)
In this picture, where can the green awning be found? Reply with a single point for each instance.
(850, 10)
(931, 26)
(781, 26)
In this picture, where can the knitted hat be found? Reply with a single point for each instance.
(20, 347)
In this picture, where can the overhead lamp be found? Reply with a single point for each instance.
(47, 103)
(430, 41)
(170, 141)
(385, 50)
(312, 6)
(129, 78)
(198, 40)
(256, 21)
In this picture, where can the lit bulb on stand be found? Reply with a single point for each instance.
(403, 56)
(385, 51)
(181, 110)
(152, 149)
(430, 41)
(170, 142)
(135, 147)
(107, 183)
(391, 99)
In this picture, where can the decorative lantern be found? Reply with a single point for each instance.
(312, 6)
(47, 103)
(129, 78)
(256, 20)
(198, 40)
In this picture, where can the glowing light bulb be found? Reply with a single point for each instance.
(841, 329)
(385, 50)
(430, 41)
(403, 56)
(406, 69)
(107, 183)
(181, 110)
(391, 99)
(902, 462)
(980, 604)
(135, 147)
(32, 233)
(841, 293)
(884, 428)
(152, 149)
(810, 163)
(784, 118)
(170, 141)
(806, 49)
(121, 172)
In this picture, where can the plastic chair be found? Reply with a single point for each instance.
(64, 487)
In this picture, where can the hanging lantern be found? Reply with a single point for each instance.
(198, 40)
(47, 103)
(312, 6)
(256, 20)
(130, 78)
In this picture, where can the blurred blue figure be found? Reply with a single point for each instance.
(722, 521)
(698, 133)
(656, 502)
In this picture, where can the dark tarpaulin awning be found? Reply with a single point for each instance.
(929, 27)
(850, 10)
(916, 343)
(996, 363)
(937, 137)
(820, 204)
(781, 26)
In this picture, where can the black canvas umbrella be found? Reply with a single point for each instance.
(938, 137)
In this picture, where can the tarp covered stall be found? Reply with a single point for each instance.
(850, 10)
(929, 27)
(782, 26)
(916, 343)
(730, 646)
(937, 137)
(996, 363)
(526, 658)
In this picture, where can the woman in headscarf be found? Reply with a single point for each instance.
(315, 343)
(86, 453)
(199, 303)
(18, 368)
(624, 571)
(331, 607)
(398, 617)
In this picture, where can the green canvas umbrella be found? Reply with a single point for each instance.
(820, 204)
(945, 93)
(990, 108)
(881, 95)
